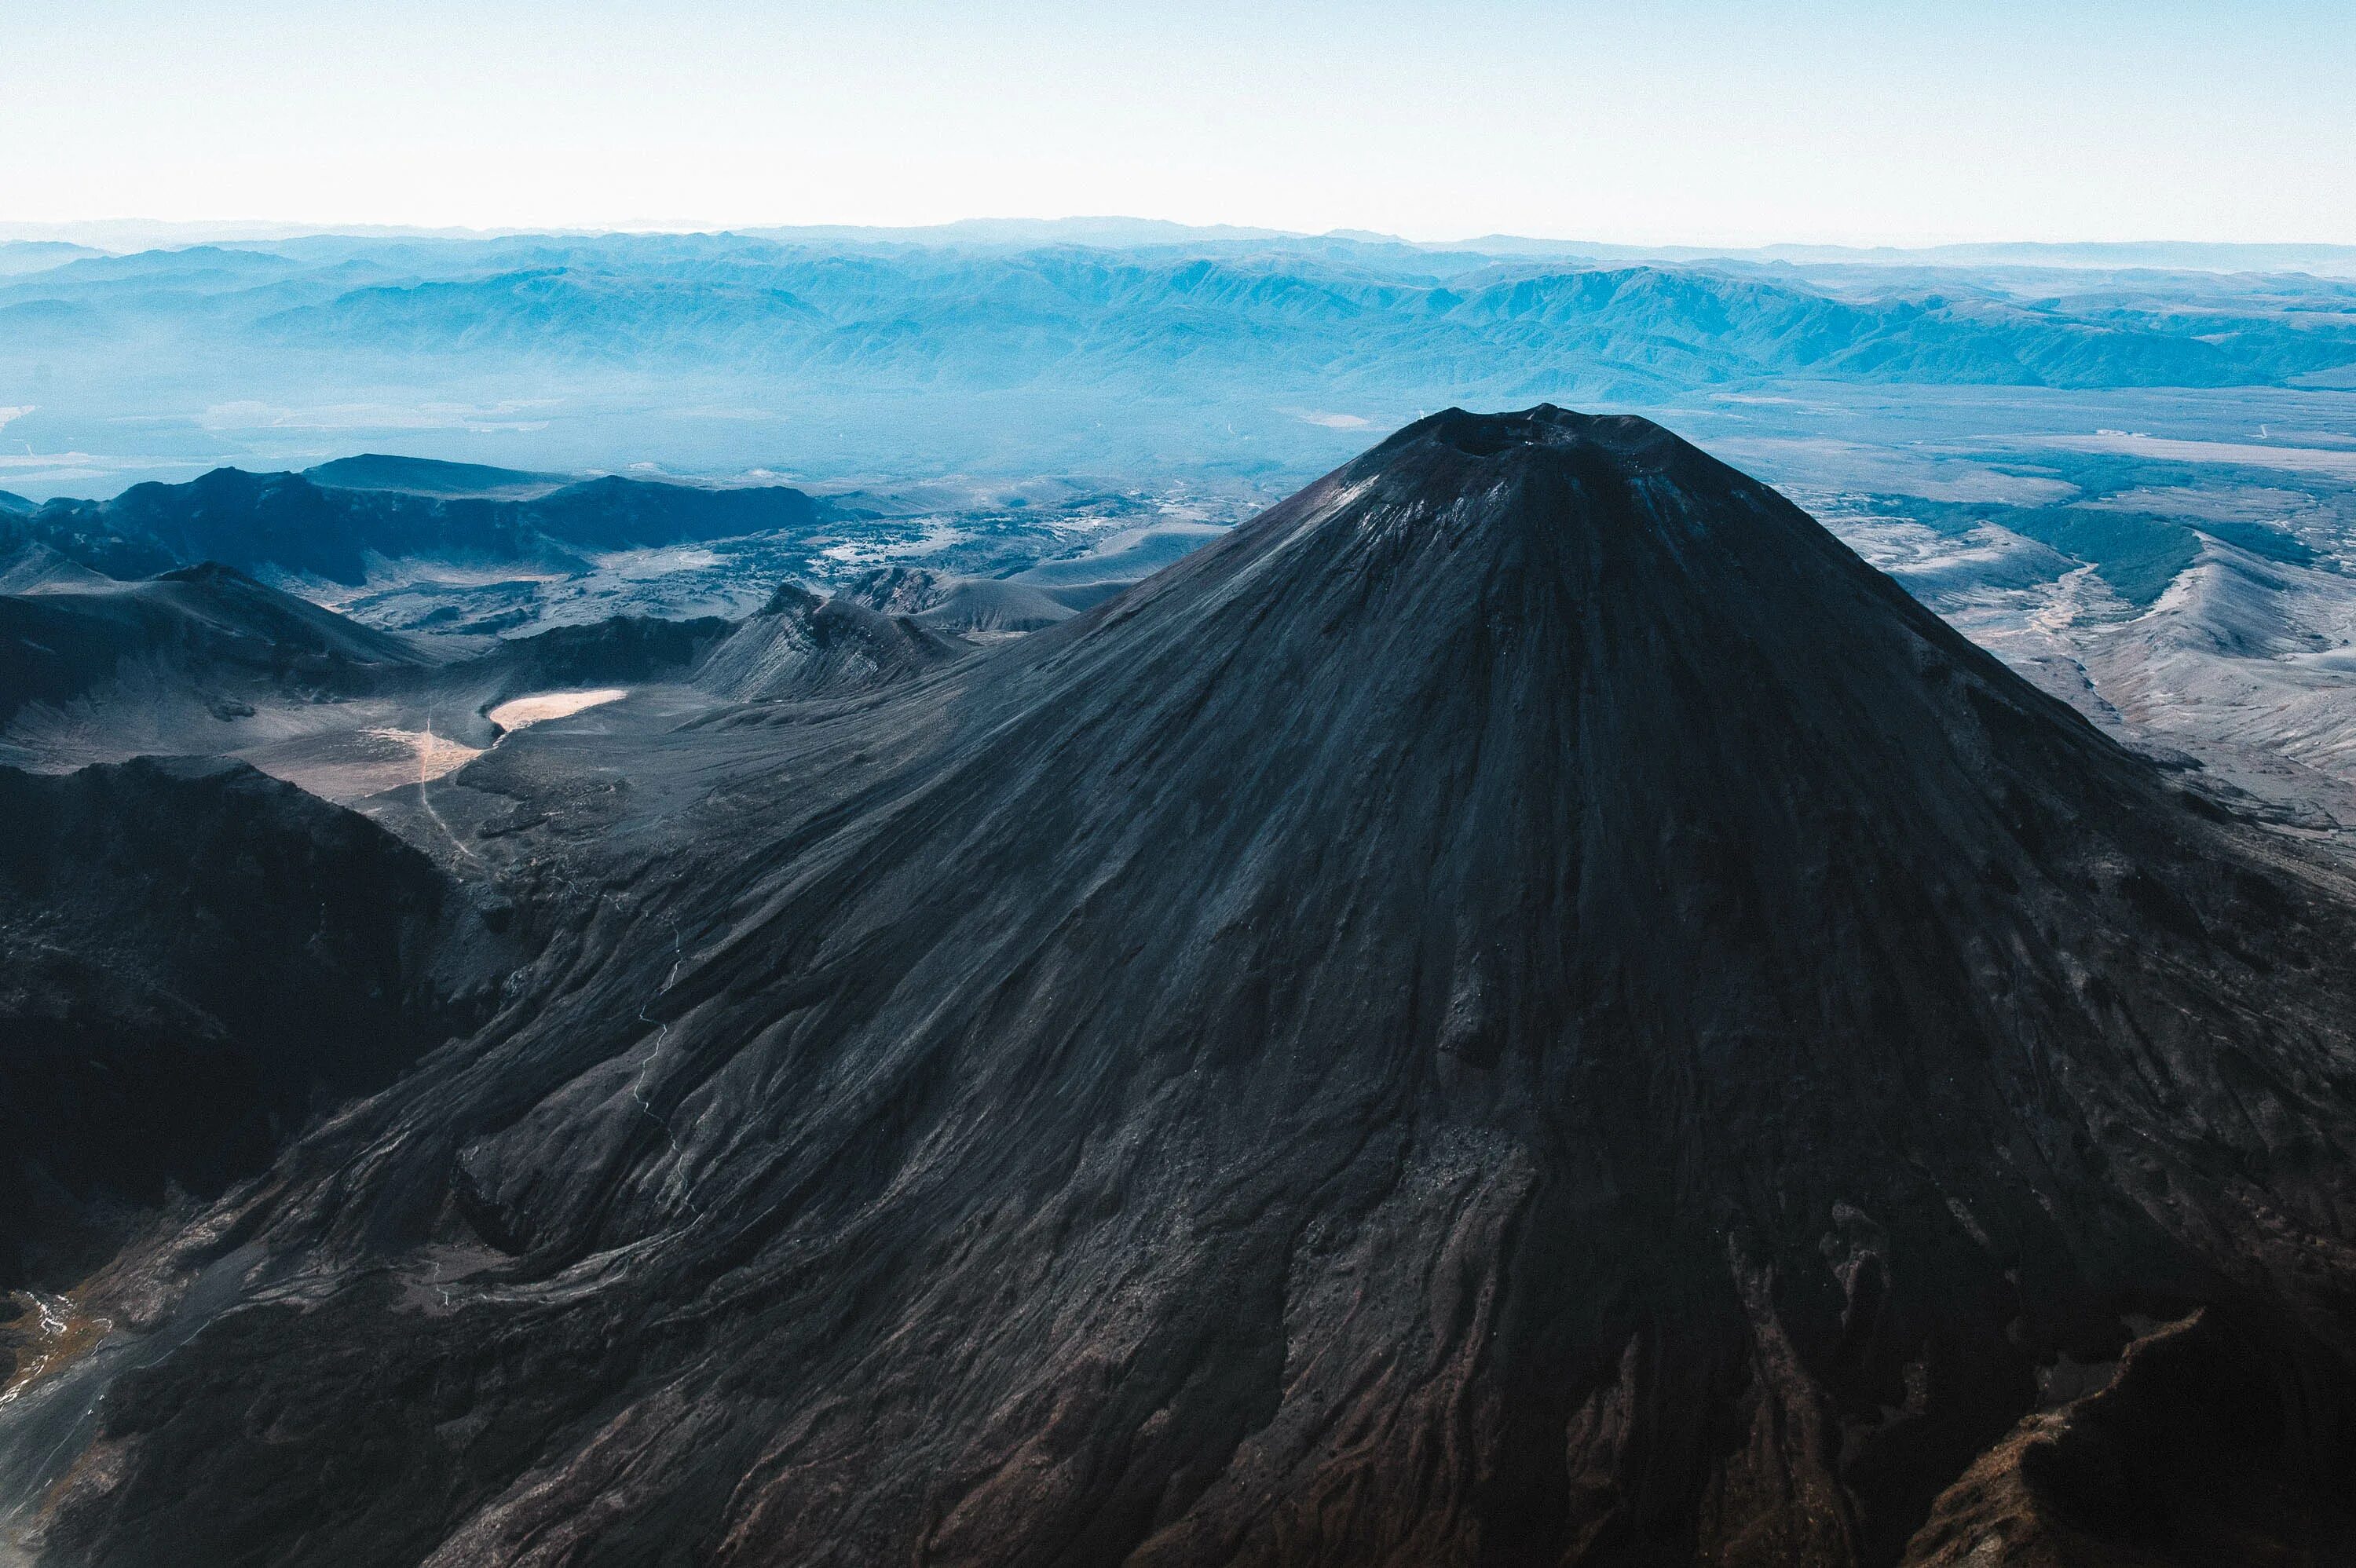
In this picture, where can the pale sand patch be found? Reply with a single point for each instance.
(435, 754)
(2289, 459)
(522, 710)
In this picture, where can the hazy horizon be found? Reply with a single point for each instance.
(1702, 122)
(128, 232)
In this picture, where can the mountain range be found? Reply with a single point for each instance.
(1083, 318)
(330, 523)
(842, 355)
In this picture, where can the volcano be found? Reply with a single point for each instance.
(1524, 1007)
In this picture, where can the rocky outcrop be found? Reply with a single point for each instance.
(801, 645)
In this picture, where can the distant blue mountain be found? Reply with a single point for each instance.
(425, 477)
(1085, 318)
(1298, 313)
(1083, 341)
(38, 255)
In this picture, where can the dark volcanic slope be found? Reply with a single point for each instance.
(193, 958)
(1525, 1008)
(204, 632)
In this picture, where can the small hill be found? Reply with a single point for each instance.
(427, 476)
(205, 635)
(801, 645)
(957, 604)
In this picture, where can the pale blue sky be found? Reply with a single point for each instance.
(1707, 121)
